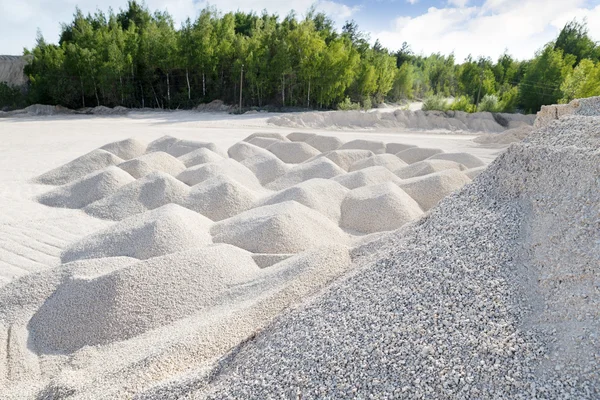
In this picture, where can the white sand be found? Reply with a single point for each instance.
(229, 167)
(345, 158)
(366, 177)
(264, 142)
(300, 136)
(152, 162)
(267, 135)
(266, 167)
(466, 159)
(428, 190)
(78, 168)
(293, 152)
(126, 149)
(320, 167)
(199, 156)
(394, 148)
(243, 150)
(428, 166)
(324, 143)
(378, 208)
(376, 147)
(389, 161)
(416, 154)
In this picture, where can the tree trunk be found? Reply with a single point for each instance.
(308, 98)
(96, 91)
(82, 92)
(203, 84)
(187, 78)
(122, 95)
(156, 97)
(283, 89)
(168, 90)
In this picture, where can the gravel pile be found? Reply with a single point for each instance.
(243, 150)
(79, 167)
(152, 191)
(416, 154)
(506, 137)
(86, 190)
(300, 136)
(152, 162)
(181, 147)
(281, 228)
(166, 230)
(228, 167)
(492, 295)
(268, 135)
(389, 161)
(378, 208)
(266, 167)
(324, 143)
(394, 148)
(345, 158)
(321, 167)
(429, 166)
(264, 142)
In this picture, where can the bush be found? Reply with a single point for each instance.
(436, 102)
(509, 100)
(367, 103)
(348, 105)
(489, 103)
(462, 103)
(11, 97)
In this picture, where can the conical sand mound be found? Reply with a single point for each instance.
(376, 147)
(266, 167)
(287, 227)
(134, 299)
(269, 135)
(389, 161)
(243, 150)
(428, 190)
(416, 154)
(345, 158)
(88, 189)
(79, 167)
(394, 148)
(161, 144)
(322, 195)
(228, 167)
(426, 167)
(220, 197)
(324, 143)
(300, 136)
(166, 230)
(366, 177)
(320, 167)
(293, 152)
(473, 172)
(378, 208)
(264, 142)
(181, 147)
(152, 162)
(199, 156)
(150, 192)
(466, 159)
(126, 149)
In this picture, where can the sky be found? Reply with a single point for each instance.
(463, 27)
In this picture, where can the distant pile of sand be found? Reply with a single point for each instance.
(80, 167)
(243, 150)
(293, 152)
(266, 167)
(300, 136)
(466, 159)
(345, 158)
(126, 149)
(426, 167)
(394, 148)
(324, 143)
(268, 135)
(168, 229)
(506, 137)
(366, 177)
(199, 156)
(378, 208)
(416, 154)
(287, 227)
(388, 161)
(86, 190)
(152, 191)
(320, 167)
(228, 167)
(360, 144)
(152, 162)
(178, 148)
(428, 190)
(264, 142)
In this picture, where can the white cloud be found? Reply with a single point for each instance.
(412, 1)
(458, 3)
(521, 26)
(20, 19)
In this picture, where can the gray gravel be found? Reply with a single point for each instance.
(493, 295)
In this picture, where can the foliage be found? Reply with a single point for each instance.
(489, 103)
(463, 103)
(584, 81)
(347, 105)
(436, 102)
(10, 97)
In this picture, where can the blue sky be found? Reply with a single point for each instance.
(462, 27)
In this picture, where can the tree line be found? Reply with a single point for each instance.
(136, 58)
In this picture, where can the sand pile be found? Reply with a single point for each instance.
(324, 143)
(199, 156)
(466, 159)
(181, 147)
(393, 148)
(287, 227)
(139, 297)
(220, 197)
(473, 172)
(243, 150)
(492, 295)
(416, 154)
(268, 135)
(166, 230)
(506, 137)
(86, 190)
(426, 167)
(388, 161)
(300, 136)
(376, 147)
(79, 167)
(366, 177)
(264, 142)
(161, 144)
(126, 149)
(228, 167)
(152, 162)
(266, 167)
(293, 152)
(345, 158)
(152, 191)
(322, 195)
(321, 167)
(586, 107)
(428, 190)
(378, 208)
